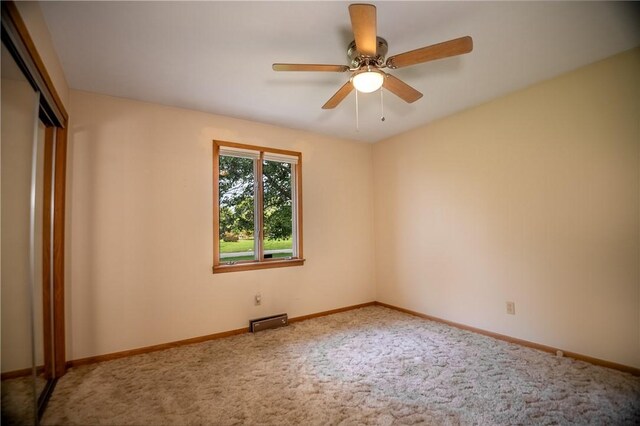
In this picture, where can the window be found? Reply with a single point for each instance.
(257, 202)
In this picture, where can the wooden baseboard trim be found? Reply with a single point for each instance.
(545, 348)
(153, 348)
(16, 373)
(331, 312)
(21, 373)
(200, 339)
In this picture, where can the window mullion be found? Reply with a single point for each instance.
(259, 209)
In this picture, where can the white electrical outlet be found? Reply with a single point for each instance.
(511, 308)
(258, 299)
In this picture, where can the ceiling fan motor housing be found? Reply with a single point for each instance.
(358, 60)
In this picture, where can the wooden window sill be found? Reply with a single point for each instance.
(217, 269)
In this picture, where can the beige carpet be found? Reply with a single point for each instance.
(367, 366)
(18, 401)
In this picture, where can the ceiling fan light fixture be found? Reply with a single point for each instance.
(368, 81)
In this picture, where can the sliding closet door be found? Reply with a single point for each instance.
(18, 263)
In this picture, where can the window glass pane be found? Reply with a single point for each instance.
(278, 209)
(237, 210)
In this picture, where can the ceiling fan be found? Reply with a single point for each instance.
(367, 53)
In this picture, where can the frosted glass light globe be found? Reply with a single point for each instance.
(368, 81)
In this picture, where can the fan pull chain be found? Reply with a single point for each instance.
(381, 105)
(357, 118)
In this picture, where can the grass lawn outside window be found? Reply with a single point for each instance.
(277, 248)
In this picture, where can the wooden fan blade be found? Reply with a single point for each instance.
(401, 89)
(445, 49)
(339, 96)
(310, 67)
(363, 23)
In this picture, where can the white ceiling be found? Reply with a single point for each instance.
(216, 56)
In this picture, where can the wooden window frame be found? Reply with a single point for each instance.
(261, 262)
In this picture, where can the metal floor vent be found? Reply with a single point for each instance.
(266, 323)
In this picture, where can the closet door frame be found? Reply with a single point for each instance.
(54, 115)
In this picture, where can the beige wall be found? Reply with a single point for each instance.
(531, 198)
(139, 227)
(34, 20)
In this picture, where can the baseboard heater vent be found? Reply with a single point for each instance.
(266, 323)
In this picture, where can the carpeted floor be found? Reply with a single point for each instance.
(18, 401)
(367, 366)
